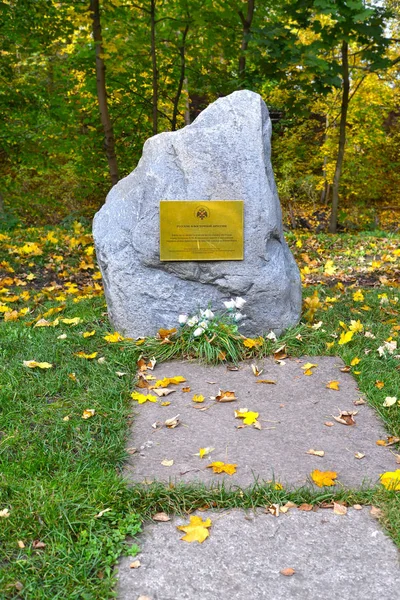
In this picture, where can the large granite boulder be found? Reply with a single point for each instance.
(223, 155)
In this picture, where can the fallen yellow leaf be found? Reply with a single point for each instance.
(379, 384)
(333, 385)
(87, 334)
(221, 467)
(355, 361)
(88, 413)
(204, 452)
(32, 364)
(141, 398)
(196, 530)
(251, 343)
(345, 337)
(198, 398)
(323, 478)
(74, 321)
(87, 356)
(249, 417)
(169, 381)
(112, 338)
(391, 480)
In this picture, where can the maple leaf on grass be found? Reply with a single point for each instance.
(87, 356)
(196, 530)
(323, 478)
(32, 364)
(391, 480)
(345, 337)
(112, 338)
(221, 467)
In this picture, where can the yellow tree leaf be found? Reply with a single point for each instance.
(249, 417)
(323, 478)
(165, 333)
(355, 361)
(169, 381)
(32, 364)
(141, 398)
(204, 452)
(358, 296)
(225, 396)
(87, 356)
(87, 334)
(198, 398)
(333, 385)
(196, 530)
(112, 338)
(221, 467)
(252, 343)
(345, 337)
(88, 413)
(74, 321)
(356, 326)
(379, 384)
(391, 480)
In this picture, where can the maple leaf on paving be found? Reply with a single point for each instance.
(249, 417)
(198, 398)
(169, 381)
(141, 398)
(221, 467)
(323, 478)
(196, 530)
(333, 385)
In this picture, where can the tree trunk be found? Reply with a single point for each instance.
(154, 65)
(102, 93)
(181, 79)
(2, 209)
(342, 136)
(246, 21)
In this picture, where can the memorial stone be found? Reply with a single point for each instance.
(224, 155)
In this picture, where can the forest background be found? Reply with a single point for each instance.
(83, 84)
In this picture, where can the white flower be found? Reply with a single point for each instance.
(239, 317)
(230, 305)
(207, 314)
(182, 319)
(193, 321)
(198, 331)
(203, 324)
(239, 302)
(271, 336)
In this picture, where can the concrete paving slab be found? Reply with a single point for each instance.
(292, 414)
(334, 558)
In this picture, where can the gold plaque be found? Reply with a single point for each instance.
(201, 230)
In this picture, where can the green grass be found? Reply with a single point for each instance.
(59, 471)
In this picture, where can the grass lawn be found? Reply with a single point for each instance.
(65, 509)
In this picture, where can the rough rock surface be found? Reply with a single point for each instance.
(223, 155)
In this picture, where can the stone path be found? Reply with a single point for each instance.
(336, 557)
(292, 414)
